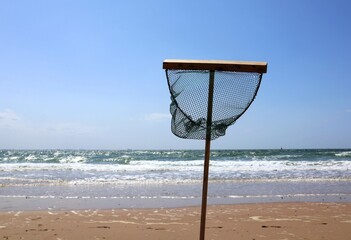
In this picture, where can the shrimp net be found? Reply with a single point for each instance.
(233, 93)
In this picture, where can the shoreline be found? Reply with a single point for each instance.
(28, 204)
(113, 196)
(293, 220)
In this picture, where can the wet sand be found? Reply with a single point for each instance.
(237, 221)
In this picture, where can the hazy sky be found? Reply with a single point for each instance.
(88, 74)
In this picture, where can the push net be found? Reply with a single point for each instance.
(233, 93)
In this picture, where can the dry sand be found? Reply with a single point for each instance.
(242, 221)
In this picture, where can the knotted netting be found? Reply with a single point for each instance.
(233, 93)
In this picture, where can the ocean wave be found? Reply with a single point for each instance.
(169, 166)
(73, 159)
(343, 154)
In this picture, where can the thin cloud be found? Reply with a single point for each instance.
(68, 128)
(8, 115)
(9, 119)
(157, 116)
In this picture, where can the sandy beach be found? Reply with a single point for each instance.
(238, 221)
(151, 194)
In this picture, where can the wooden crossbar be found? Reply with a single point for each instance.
(215, 65)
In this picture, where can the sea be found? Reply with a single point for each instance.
(37, 179)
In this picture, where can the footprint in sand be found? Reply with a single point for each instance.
(158, 229)
(264, 226)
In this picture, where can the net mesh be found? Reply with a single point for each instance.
(233, 94)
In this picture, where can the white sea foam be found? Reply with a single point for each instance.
(30, 158)
(187, 168)
(125, 167)
(343, 154)
(73, 159)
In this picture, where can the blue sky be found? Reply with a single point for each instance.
(88, 74)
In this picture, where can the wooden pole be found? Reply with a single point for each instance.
(207, 156)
